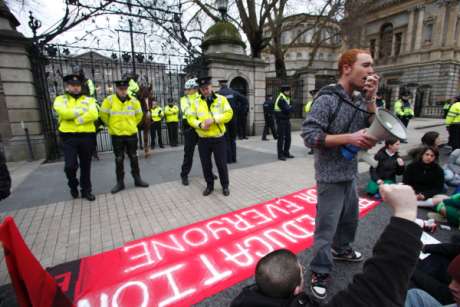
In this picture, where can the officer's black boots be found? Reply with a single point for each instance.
(88, 196)
(185, 180)
(74, 192)
(135, 171)
(120, 177)
(208, 191)
(225, 191)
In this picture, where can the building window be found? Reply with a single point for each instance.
(427, 32)
(386, 40)
(372, 47)
(398, 43)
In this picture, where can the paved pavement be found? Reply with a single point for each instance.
(58, 229)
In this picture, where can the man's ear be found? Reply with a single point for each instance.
(298, 290)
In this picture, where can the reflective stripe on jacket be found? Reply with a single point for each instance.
(122, 118)
(75, 115)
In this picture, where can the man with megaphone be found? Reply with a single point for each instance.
(336, 128)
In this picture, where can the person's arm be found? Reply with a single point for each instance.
(408, 176)
(450, 250)
(437, 185)
(385, 277)
(138, 111)
(90, 115)
(192, 117)
(105, 111)
(315, 125)
(227, 113)
(439, 290)
(64, 111)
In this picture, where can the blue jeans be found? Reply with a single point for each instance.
(419, 298)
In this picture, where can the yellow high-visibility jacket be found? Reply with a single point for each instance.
(76, 115)
(122, 118)
(133, 88)
(220, 110)
(172, 114)
(400, 110)
(453, 116)
(307, 107)
(157, 113)
(185, 103)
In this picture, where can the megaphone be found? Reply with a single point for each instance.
(384, 126)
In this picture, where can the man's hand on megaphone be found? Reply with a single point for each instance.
(362, 140)
(371, 86)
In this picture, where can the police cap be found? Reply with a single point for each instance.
(122, 83)
(202, 81)
(73, 79)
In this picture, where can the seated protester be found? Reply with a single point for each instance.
(431, 274)
(424, 175)
(383, 282)
(389, 165)
(430, 139)
(420, 298)
(447, 209)
(452, 169)
(5, 179)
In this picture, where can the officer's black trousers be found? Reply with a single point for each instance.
(242, 119)
(155, 128)
(217, 146)
(269, 124)
(284, 137)
(454, 136)
(405, 120)
(230, 137)
(172, 133)
(190, 141)
(128, 144)
(78, 147)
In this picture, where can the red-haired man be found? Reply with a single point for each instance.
(338, 117)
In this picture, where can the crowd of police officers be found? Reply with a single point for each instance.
(209, 119)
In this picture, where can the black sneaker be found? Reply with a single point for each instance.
(349, 255)
(318, 285)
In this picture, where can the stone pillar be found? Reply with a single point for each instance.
(18, 100)
(419, 31)
(410, 30)
(440, 26)
(451, 24)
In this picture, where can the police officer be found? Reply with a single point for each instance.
(122, 113)
(76, 116)
(268, 117)
(172, 120)
(190, 137)
(447, 105)
(157, 116)
(307, 108)
(453, 124)
(282, 110)
(403, 109)
(235, 99)
(208, 115)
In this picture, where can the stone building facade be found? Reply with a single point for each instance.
(416, 47)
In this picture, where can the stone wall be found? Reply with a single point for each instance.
(18, 101)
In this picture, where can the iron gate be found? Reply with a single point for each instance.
(103, 67)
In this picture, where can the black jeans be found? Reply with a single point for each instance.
(269, 124)
(230, 136)
(190, 141)
(78, 148)
(242, 119)
(217, 146)
(128, 144)
(155, 128)
(284, 137)
(172, 133)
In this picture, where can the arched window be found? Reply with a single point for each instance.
(386, 40)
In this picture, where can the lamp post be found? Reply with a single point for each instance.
(222, 7)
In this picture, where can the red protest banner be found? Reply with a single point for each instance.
(185, 265)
